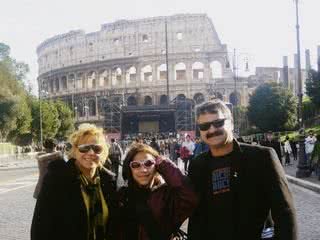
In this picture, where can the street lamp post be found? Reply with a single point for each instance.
(40, 120)
(41, 93)
(303, 168)
(235, 79)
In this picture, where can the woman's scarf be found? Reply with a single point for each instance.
(96, 224)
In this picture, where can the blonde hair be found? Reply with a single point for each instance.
(86, 130)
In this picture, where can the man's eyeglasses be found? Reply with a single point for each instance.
(84, 148)
(216, 123)
(138, 164)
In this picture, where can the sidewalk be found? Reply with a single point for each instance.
(9, 162)
(311, 183)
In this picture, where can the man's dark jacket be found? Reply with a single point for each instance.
(60, 212)
(258, 185)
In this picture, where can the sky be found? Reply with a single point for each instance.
(261, 30)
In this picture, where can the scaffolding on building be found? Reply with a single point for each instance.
(184, 115)
(112, 111)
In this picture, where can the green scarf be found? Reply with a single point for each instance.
(96, 224)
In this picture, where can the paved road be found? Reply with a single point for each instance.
(16, 189)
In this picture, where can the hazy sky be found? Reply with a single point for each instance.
(263, 29)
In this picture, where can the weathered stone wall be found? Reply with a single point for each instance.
(128, 58)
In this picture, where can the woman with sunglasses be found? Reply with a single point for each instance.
(158, 197)
(78, 198)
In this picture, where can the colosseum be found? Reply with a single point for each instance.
(140, 75)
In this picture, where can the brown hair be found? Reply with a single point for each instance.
(133, 151)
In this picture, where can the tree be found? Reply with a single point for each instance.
(66, 120)
(241, 119)
(313, 87)
(15, 114)
(49, 117)
(273, 108)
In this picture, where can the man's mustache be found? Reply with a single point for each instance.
(215, 134)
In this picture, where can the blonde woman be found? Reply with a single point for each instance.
(78, 199)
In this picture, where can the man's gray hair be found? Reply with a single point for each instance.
(213, 106)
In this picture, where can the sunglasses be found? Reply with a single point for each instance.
(216, 123)
(86, 148)
(138, 164)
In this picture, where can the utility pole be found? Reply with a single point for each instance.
(303, 168)
(167, 65)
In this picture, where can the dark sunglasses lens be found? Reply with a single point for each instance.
(84, 149)
(204, 126)
(97, 149)
(218, 123)
(135, 164)
(148, 163)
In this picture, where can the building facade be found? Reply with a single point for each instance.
(125, 64)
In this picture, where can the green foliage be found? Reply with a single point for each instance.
(309, 109)
(66, 120)
(241, 119)
(273, 108)
(49, 117)
(313, 87)
(15, 114)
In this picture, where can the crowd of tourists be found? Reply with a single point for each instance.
(227, 189)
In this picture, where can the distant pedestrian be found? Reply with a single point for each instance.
(274, 143)
(293, 145)
(309, 146)
(287, 150)
(315, 158)
(186, 151)
(155, 145)
(115, 156)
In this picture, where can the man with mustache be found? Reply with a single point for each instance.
(238, 184)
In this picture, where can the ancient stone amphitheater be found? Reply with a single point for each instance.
(117, 77)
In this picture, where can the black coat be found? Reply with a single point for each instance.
(60, 212)
(258, 185)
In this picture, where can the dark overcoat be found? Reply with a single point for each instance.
(258, 186)
(60, 211)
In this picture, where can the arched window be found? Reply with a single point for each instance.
(71, 82)
(163, 99)
(216, 69)
(147, 100)
(132, 101)
(64, 82)
(198, 98)
(116, 76)
(131, 74)
(91, 79)
(180, 71)
(146, 73)
(197, 71)
(103, 106)
(79, 108)
(92, 107)
(80, 81)
(57, 85)
(103, 78)
(162, 72)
